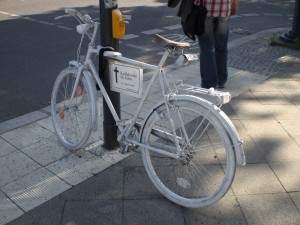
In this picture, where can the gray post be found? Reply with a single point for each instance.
(109, 125)
(291, 35)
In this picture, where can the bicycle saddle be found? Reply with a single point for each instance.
(166, 43)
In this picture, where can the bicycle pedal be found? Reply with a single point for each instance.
(124, 149)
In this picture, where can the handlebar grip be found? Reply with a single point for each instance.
(87, 18)
(70, 11)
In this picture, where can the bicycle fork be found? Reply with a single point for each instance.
(79, 68)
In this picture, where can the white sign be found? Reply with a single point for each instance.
(125, 78)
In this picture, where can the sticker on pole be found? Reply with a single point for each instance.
(126, 79)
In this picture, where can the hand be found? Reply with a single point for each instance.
(234, 7)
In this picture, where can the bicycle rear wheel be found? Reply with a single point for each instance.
(71, 119)
(205, 168)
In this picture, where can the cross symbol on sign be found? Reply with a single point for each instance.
(116, 72)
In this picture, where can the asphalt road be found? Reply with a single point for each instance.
(34, 47)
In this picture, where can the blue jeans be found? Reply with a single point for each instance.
(213, 52)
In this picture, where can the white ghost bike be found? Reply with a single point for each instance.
(189, 146)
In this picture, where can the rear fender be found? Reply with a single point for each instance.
(236, 142)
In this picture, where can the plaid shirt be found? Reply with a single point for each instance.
(216, 8)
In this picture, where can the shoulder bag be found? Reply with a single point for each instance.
(195, 22)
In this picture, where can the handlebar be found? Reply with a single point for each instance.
(86, 19)
(73, 12)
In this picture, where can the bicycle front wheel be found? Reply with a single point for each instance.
(205, 167)
(71, 118)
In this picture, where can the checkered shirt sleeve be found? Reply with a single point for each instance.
(216, 8)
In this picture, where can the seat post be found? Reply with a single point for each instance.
(163, 58)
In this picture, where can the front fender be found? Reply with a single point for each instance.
(92, 86)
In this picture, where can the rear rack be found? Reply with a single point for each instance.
(216, 97)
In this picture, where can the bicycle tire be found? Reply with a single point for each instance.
(204, 172)
(71, 120)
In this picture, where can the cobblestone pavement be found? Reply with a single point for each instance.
(259, 57)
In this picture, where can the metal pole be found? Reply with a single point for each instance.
(109, 125)
(291, 35)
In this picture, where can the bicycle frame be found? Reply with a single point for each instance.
(184, 133)
(125, 127)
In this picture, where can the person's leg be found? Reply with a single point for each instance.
(221, 39)
(208, 69)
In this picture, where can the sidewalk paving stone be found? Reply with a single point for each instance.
(21, 121)
(288, 174)
(240, 81)
(48, 213)
(286, 112)
(271, 98)
(93, 212)
(293, 97)
(35, 188)
(254, 179)
(114, 156)
(46, 151)
(8, 209)
(134, 160)
(152, 211)
(291, 126)
(6, 148)
(106, 185)
(46, 123)
(265, 86)
(250, 109)
(14, 166)
(75, 169)
(269, 209)
(279, 150)
(295, 196)
(26, 135)
(284, 85)
(137, 184)
(297, 140)
(259, 129)
(225, 211)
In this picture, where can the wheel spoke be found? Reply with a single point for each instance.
(205, 168)
(74, 127)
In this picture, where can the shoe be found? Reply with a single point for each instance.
(221, 86)
(203, 86)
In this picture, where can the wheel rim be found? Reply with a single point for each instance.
(71, 119)
(201, 176)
